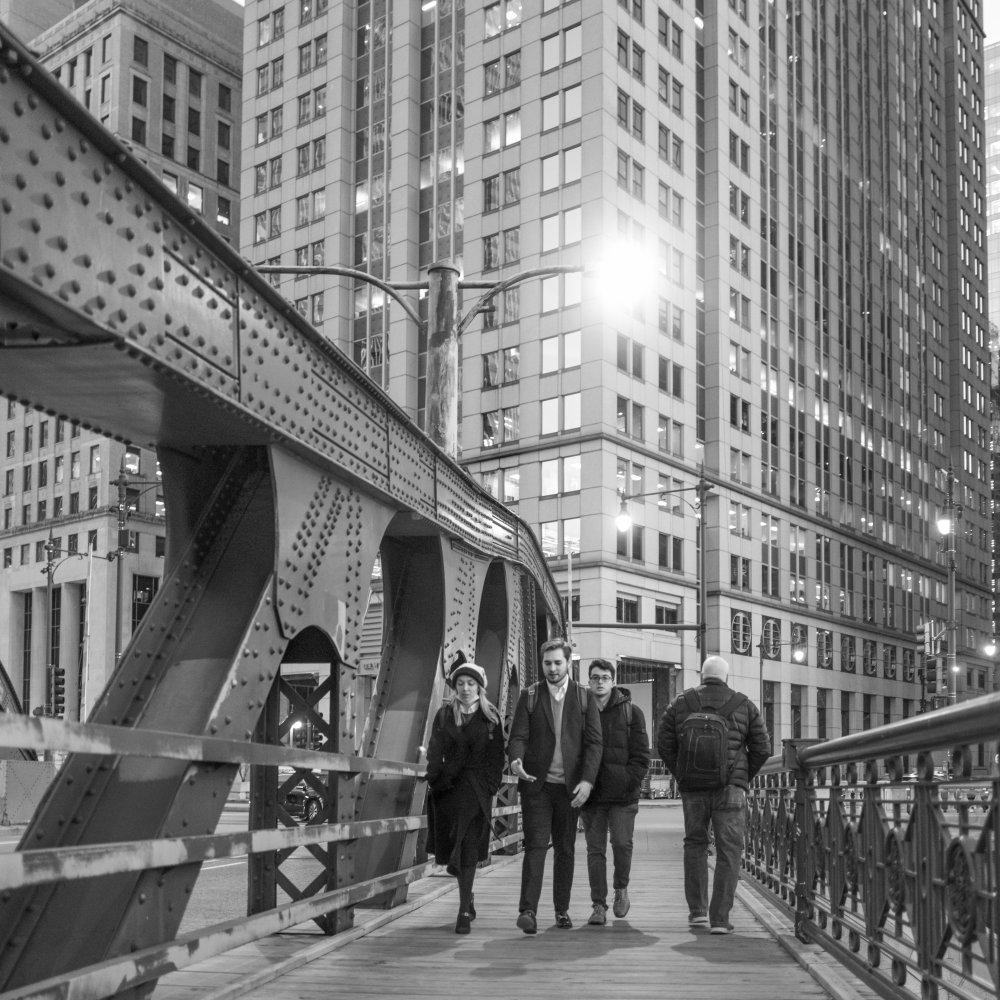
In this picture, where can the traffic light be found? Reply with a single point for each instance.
(931, 676)
(925, 637)
(58, 692)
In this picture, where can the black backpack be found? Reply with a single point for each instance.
(703, 744)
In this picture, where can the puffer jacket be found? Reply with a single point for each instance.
(626, 752)
(749, 745)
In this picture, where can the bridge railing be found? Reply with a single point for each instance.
(893, 872)
(26, 867)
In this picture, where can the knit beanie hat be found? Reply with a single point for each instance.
(472, 670)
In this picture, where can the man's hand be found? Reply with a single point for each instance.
(518, 768)
(581, 793)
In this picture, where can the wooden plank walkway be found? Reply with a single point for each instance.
(650, 953)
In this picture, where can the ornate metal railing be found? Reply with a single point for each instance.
(894, 873)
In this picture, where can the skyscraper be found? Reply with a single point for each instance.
(992, 62)
(165, 77)
(778, 212)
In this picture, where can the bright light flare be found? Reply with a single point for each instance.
(624, 275)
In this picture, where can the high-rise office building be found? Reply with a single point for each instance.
(778, 213)
(166, 78)
(992, 62)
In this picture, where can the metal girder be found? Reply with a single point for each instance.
(209, 625)
(108, 280)
(285, 470)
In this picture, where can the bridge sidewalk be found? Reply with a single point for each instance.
(416, 953)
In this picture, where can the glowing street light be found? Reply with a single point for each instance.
(623, 521)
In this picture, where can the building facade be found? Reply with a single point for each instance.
(993, 245)
(777, 210)
(166, 78)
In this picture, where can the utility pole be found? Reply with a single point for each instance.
(951, 659)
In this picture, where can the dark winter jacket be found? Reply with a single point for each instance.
(533, 740)
(464, 771)
(626, 752)
(749, 745)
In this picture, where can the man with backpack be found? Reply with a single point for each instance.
(614, 801)
(713, 740)
(555, 751)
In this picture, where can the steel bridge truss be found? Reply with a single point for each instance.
(286, 474)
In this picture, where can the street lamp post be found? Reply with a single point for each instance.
(948, 526)
(773, 646)
(798, 655)
(623, 522)
(444, 327)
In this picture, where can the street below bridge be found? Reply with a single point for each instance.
(650, 953)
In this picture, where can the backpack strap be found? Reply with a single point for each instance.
(730, 706)
(532, 698)
(692, 700)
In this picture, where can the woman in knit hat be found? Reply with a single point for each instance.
(465, 761)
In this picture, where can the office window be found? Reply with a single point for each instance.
(627, 609)
(140, 51)
(501, 17)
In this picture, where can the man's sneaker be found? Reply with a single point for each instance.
(622, 903)
(600, 915)
(698, 921)
(722, 928)
(562, 920)
(526, 921)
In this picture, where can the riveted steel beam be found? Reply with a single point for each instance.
(285, 470)
(107, 279)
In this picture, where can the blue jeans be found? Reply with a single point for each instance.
(725, 810)
(546, 814)
(598, 822)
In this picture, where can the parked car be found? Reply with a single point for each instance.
(301, 799)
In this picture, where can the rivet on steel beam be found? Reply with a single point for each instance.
(20, 182)
(33, 157)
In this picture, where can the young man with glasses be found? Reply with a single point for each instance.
(614, 802)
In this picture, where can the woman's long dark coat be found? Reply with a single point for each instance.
(464, 770)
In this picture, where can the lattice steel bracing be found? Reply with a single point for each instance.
(285, 473)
